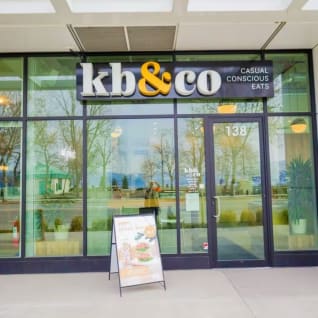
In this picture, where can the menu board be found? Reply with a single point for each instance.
(135, 245)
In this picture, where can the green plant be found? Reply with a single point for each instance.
(280, 217)
(228, 218)
(101, 225)
(300, 189)
(76, 224)
(59, 226)
(58, 222)
(259, 216)
(248, 217)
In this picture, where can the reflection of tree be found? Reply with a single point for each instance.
(99, 147)
(192, 151)
(13, 105)
(165, 149)
(46, 140)
(248, 106)
(230, 154)
(10, 152)
(72, 134)
(149, 168)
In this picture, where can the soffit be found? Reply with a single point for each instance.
(176, 30)
(151, 38)
(229, 36)
(296, 36)
(106, 39)
(35, 39)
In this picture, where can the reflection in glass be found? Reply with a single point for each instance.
(192, 186)
(11, 75)
(52, 87)
(140, 107)
(291, 83)
(10, 188)
(130, 166)
(294, 207)
(54, 215)
(238, 199)
(213, 106)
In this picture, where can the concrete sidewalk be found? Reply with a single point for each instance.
(259, 292)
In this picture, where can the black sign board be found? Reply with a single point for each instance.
(238, 79)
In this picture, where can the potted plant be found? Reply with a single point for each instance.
(60, 230)
(300, 194)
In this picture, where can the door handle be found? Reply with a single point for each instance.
(216, 203)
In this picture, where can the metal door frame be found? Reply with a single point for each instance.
(210, 188)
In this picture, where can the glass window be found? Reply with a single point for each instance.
(238, 188)
(221, 107)
(291, 83)
(131, 169)
(135, 107)
(192, 193)
(10, 188)
(52, 87)
(54, 215)
(11, 80)
(294, 209)
(130, 107)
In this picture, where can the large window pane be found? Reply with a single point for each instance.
(193, 218)
(291, 83)
(54, 218)
(124, 157)
(52, 87)
(137, 107)
(221, 107)
(11, 78)
(293, 185)
(10, 188)
(238, 184)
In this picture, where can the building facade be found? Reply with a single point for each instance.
(234, 176)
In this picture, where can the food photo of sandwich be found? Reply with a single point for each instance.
(144, 257)
(142, 247)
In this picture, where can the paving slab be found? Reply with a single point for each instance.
(220, 293)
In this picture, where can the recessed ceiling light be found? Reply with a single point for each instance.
(102, 6)
(26, 7)
(238, 5)
(311, 5)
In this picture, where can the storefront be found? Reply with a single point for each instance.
(233, 178)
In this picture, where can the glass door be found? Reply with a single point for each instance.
(236, 204)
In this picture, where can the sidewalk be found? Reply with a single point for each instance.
(214, 293)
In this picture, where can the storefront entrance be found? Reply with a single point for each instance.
(235, 181)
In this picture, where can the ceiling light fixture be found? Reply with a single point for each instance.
(4, 167)
(227, 109)
(84, 6)
(4, 100)
(238, 5)
(26, 7)
(298, 125)
(116, 133)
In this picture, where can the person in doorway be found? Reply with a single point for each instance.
(152, 197)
